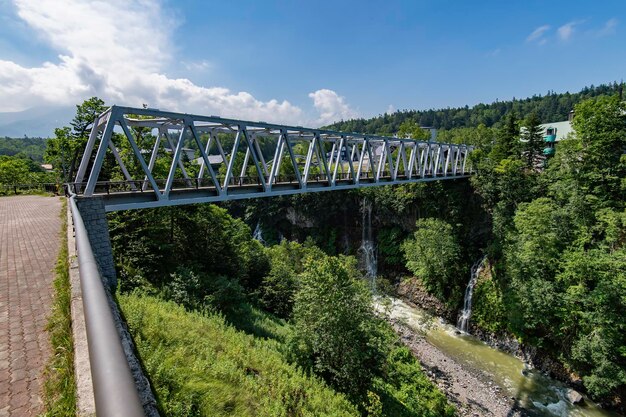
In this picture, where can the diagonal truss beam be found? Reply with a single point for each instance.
(263, 159)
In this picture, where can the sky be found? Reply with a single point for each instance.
(302, 62)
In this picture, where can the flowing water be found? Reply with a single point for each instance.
(537, 393)
(367, 250)
(258, 233)
(463, 321)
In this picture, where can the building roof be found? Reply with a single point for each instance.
(563, 129)
(213, 159)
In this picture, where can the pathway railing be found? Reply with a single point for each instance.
(114, 388)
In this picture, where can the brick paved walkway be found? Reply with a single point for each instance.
(29, 246)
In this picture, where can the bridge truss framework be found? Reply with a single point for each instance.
(241, 159)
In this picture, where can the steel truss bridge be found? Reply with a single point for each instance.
(235, 159)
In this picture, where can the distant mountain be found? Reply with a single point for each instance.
(36, 121)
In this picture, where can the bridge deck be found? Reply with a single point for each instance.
(122, 195)
(29, 246)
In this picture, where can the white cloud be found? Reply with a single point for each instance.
(196, 66)
(390, 109)
(331, 107)
(608, 28)
(117, 50)
(538, 33)
(566, 31)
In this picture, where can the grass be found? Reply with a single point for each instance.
(199, 365)
(59, 385)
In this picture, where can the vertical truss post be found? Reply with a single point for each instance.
(351, 154)
(205, 158)
(260, 154)
(180, 163)
(389, 160)
(361, 158)
(338, 159)
(381, 161)
(175, 160)
(93, 135)
(278, 154)
(231, 162)
(292, 156)
(102, 148)
(464, 158)
(409, 173)
(207, 149)
(153, 156)
(435, 159)
(307, 162)
(250, 151)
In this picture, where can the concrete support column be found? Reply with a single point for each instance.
(93, 214)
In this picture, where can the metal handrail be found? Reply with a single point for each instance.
(114, 388)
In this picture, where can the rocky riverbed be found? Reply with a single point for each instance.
(473, 392)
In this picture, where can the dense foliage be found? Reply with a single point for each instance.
(30, 148)
(559, 247)
(549, 108)
(201, 366)
(18, 170)
(432, 255)
(207, 262)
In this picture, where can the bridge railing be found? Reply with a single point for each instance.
(111, 187)
(163, 152)
(114, 388)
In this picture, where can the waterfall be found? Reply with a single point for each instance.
(258, 233)
(463, 322)
(367, 250)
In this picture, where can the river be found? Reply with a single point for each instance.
(536, 393)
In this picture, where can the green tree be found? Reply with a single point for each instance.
(279, 286)
(600, 125)
(593, 318)
(65, 149)
(14, 170)
(410, 129)
(337, 335)
(507, 139)
(532, 260)
(433, 255)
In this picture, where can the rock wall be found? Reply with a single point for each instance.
(94, 217)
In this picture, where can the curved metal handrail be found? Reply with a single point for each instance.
(114, 388)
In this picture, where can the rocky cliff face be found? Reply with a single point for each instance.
(411, 289)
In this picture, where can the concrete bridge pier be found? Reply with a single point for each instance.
(94, 216)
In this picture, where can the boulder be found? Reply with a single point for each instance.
(574, 397)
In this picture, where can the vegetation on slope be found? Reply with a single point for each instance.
(59, 387)
(27, 148)
(206, 261)
(201, 366)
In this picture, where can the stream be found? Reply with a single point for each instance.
(536, 393)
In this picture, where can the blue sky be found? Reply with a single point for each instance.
(303, 62)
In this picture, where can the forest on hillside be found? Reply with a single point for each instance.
(551, 107)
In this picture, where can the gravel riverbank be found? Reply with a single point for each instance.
(471, 391)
